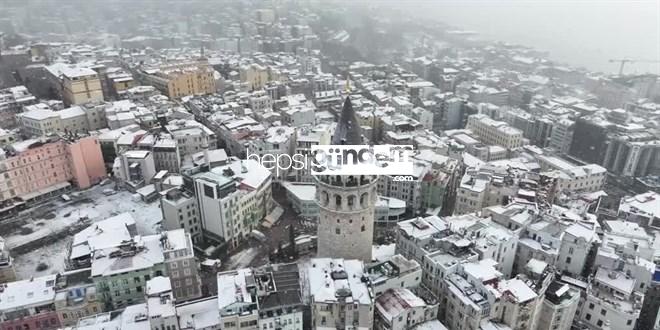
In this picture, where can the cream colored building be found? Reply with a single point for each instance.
(77, 85)
(255, 75)
(495, 132)
(41, 121)
(182, 79)
(339, 297)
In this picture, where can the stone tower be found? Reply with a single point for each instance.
(346, 203)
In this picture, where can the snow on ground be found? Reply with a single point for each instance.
(242, 259)
(52, 255)
(99, 207)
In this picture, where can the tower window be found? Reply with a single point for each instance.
(363, 228)
(337, 231)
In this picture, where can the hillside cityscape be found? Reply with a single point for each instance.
(160, 168)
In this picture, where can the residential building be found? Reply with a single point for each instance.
(237, 300)
(255, 75)
(134, 168)
(36, 169)
(400, 309)
(12, 102)
(339, 298)
(77, 85)
(7, 272)
(176, 80)
(29, 304)
(576, 244)
(180, 210)
(559, 306)
(649, 316)
(120, 272)
(495, 132)
(395, 272)
(233, 199)
(611, 301)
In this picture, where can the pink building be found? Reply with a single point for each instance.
(86, 161)
(35, 169)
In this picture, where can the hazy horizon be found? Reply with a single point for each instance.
(579, 33)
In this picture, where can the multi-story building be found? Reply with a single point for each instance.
(611, 301)
(395, 272)
(576, 245)
(558, 308)
(495, 132)
(76, 297)
(176, 80)
(29, 304)
(280, 297)
(255, 75)
(237, 300)
(38, 168)
(12, 101)
(120, 272)
(400, 309)
(135, 168)
(339, 297)
(643, 209)
(180, 210)
(7, 272)
(562, 135)
(232, 199)
(180, 265)
(649, 316)
(77, 85)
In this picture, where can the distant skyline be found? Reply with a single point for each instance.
(580, 33)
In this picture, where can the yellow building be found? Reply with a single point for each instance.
(182, 79)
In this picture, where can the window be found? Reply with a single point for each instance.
(337, 231)
(603, 312)
(591, 306)
(587, 317)
(599, 323)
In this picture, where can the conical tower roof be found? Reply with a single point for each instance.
(348, 129)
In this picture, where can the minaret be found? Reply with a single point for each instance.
(346, 203)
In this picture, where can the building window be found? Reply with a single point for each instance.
(337, 231)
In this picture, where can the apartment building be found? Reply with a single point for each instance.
(558, 308)
(611, 301)
(120, 271)
(12, 102)
(255, 75)
(29, 304)
(400, 309)
(135, 168)
(77, 85)
(495, 132)
(7, 272)
(237, 300)
(180, 210)
(38, 168)
(176, 80)
(233, 199)
(339, 297)
(73, 120)
(395, 272)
